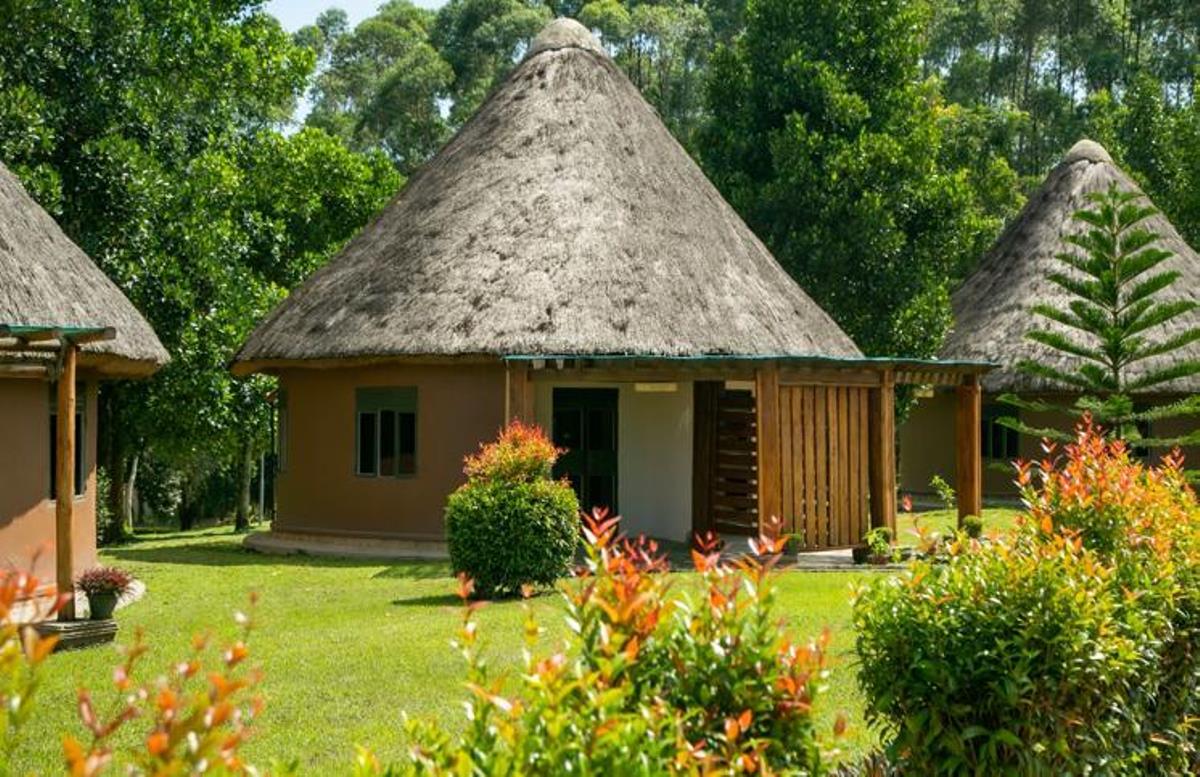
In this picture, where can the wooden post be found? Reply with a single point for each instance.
(770, 478)
(518, 400)
(881, 419)
(64, 508)
(968, 454)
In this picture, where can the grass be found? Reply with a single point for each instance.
(348, 646)
(999, 518)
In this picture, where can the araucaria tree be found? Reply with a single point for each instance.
(1120, 336)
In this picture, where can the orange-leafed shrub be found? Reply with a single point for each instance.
(1069, 646)
(521, 453)
(657, 676)
(194, 717)
(22, 652)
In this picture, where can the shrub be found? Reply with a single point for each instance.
(22, 652)
(104, 580)
(510, 525)
(973, 526)
(650, 682)
(1068, 646)
(194, 716)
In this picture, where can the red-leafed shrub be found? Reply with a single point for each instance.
(510, 524)
(521, 454)
(194, 717)
(657, 677)
(22, 653)
(104, 580)
(1069, 646)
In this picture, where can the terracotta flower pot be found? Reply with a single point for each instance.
(102, 604)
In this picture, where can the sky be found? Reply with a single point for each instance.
(294, 14)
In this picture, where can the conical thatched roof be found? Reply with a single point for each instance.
(47, 280)
(991, 307)
(562, 219)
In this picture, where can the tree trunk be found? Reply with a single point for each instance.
(126, 517)
(115, 498)
(245, 475)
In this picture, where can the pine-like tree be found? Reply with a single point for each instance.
(1114, 322)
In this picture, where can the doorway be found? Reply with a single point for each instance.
(585, 426)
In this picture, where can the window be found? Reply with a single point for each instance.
(282, 423)
(80, 444)
(998, 441)
(385, 432)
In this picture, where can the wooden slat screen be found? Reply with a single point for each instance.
(734, 476)
(824, 464)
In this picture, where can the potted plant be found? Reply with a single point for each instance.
(103, 586)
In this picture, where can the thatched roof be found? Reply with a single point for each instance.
(562, 219)
(991, 307)
(48, 281)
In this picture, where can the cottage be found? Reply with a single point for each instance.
(64, 326)
(991, 313)
(563, 260)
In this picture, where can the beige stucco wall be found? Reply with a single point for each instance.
(654, 450)
(27, 514)
(458, 406)
(927, 446)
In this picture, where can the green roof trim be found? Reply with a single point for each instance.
(62, 333)
(841, 361)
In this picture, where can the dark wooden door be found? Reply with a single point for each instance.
(585, 425)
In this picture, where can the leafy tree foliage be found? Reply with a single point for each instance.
(482, 41)
(1051, 71)
(145, 128)
(1116, 320)
(382, 85)
(824, 137)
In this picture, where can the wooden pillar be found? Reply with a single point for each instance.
(64, 508)
(518, 399)
(770, 478)
(968, 448)
(881, 465)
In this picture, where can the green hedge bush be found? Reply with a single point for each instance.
(510, 525)
(1068, 647)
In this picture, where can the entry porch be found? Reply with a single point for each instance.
(739, 446)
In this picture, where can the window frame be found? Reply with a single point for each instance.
(375, 401)
(988, 421)
(81, 457)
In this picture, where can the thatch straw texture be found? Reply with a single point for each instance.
(991, 307)
(562, 219)
(47, 280)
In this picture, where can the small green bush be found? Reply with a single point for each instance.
(510, 525)
(973, 526)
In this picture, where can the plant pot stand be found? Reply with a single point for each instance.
(78, 633)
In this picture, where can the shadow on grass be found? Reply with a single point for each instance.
(415, 570)
(430, 600)
(217, 553)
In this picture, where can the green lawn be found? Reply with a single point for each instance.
(944, 520)
(347, 646)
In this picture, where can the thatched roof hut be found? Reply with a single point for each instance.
(48, 281)
(991, 309)
(563, 219)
